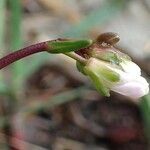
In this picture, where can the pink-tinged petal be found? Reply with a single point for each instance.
(133, 89)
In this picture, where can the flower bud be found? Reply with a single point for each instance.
(122, 76)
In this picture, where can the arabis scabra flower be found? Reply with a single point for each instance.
(112, 70)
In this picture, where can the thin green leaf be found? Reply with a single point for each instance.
(145, 109)
(2, 22)
(16, 40)
(56, 100)
(3, 87)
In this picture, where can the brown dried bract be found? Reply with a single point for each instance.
(109, 38)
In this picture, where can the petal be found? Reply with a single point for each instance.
(131, 67)
(134, 89)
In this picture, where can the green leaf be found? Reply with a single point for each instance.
(16, 40)
(145, 110)
(2, 20)
(56, 100)
(2, 37)
(68, 46)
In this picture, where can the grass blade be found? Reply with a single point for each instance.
(145, 109)
(16, 40)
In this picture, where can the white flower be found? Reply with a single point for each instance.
(124, 78)
(131, 82)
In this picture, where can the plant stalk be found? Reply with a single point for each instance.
(76, 57)
(14, 56)
(36, 48)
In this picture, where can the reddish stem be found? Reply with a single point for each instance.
(14, 56)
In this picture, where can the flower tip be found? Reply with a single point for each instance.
(134, 89)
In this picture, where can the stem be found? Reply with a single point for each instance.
(36, 48)
(14, 56)
(76, 57)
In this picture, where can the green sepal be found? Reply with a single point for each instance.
(109, 74)
(98, 83)
(108, 56)
(80, 67)
(67, 46)
(114, 57)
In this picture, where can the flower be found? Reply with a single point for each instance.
(116, 73)
(131, 83)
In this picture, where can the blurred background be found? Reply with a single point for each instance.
(45, 103)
